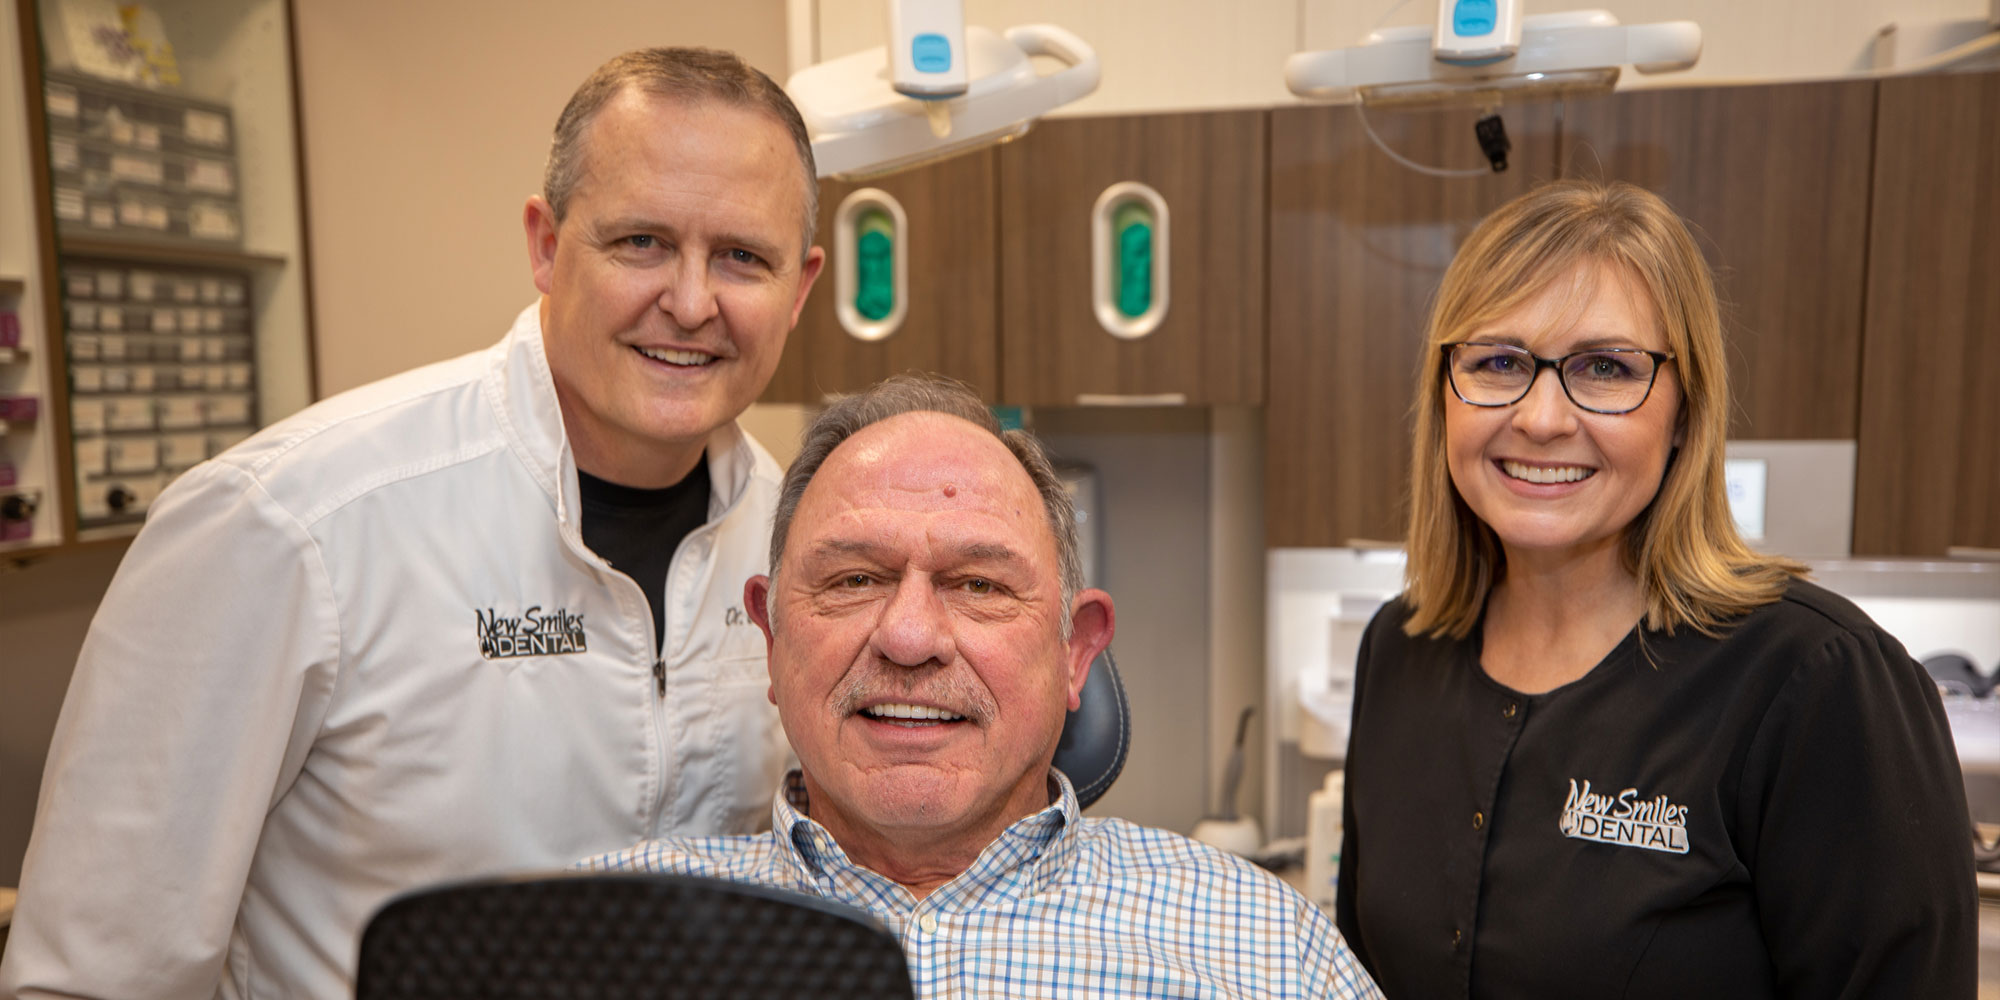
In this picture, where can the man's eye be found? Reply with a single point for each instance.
(642, 241)
(744, 257)
(979, 586)
(856, 580)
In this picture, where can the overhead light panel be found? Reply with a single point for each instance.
(939, 88)
(1482, 52)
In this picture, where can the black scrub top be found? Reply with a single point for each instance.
(1774, 813)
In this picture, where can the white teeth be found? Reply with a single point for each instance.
(1547, 473)
(673, 357)
(920, 712)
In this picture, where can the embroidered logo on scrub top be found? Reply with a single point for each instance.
(1624, 819)
(534, 632)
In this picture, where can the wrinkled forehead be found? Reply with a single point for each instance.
(928, 464)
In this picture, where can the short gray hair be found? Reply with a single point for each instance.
(684, 74)
(927, 393)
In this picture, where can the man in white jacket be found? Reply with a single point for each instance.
(481, 616)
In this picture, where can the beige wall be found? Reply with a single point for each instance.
(425, 127)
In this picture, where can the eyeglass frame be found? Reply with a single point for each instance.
(1660, 359)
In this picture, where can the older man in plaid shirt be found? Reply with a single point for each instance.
(928, 631)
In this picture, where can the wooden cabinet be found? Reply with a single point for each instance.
(1928, 452)
(1358, 244)
(1208, 348)
(166, 282)
(951, 321)
(1773, 180)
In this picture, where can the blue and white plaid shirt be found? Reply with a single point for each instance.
(1058, 906)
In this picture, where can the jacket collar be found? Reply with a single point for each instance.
(522, 392)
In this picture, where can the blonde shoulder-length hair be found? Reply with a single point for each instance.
(1693, 567)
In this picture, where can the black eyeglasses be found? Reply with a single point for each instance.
(1604, 380)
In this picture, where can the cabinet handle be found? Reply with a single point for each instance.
(871, 264)
(1128, 267)
(1131, 399)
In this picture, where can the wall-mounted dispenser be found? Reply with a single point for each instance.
(871, 264)
(1129, 245)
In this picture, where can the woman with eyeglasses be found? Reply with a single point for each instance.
(1600, 746)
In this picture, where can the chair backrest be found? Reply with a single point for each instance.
(1096, 737)
(624, 936)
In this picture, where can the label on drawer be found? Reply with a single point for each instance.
(179, 412)
(90, 455)
(205, 128)
(224, 411)
(60, 100)
(83, 346)
(132, 454)
(86, 416)
(101, 215)
(110, 284)
(191, 349)
(137, 168)
(142, 378)
(87, 378)
(63, 154)
(142, 285)
(166, 321)
(181, 451)
(130, 413)
(110, 347)
(117, 378)
(110, 318)
(211, 220)
(70, 204)
(236, 376)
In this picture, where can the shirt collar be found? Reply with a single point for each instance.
(1029, 856)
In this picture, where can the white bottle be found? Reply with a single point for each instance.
(1323, 834)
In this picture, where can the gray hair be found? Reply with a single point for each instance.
(927, 393)
(685, 74)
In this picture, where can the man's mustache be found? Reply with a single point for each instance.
(953, 688)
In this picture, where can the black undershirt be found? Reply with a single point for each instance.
(637, 530)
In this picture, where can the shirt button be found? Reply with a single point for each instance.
(1509, 711)
(1478, 820)
(1456, 934)
(928, 922)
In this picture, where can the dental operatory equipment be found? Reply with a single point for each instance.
(1481, 53)
(939, 87)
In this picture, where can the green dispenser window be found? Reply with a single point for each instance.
(1134, 226)
(875, 270)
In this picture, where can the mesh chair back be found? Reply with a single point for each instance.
(624, 936)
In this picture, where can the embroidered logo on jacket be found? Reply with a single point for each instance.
(533, 633)
(1623, 819)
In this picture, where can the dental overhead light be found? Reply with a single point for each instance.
(939, 88)
(1483, 50)
(1482, 53)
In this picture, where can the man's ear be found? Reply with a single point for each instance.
(1092, 621)
(756, 603)
(538, 220)
(808, 271)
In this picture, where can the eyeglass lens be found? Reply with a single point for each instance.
(1611, 380)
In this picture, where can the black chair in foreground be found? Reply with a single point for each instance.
(624, 936)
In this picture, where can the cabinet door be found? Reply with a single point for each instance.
(1358, 245)
(950, 323)
(1208, 347)
(1928, 458)
(1774, 182)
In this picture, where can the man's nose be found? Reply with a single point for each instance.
(915, 627)
(1545, 412)
(689, 296)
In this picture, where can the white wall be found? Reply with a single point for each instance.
(426, 126)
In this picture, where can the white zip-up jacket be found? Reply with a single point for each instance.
(367, 650)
